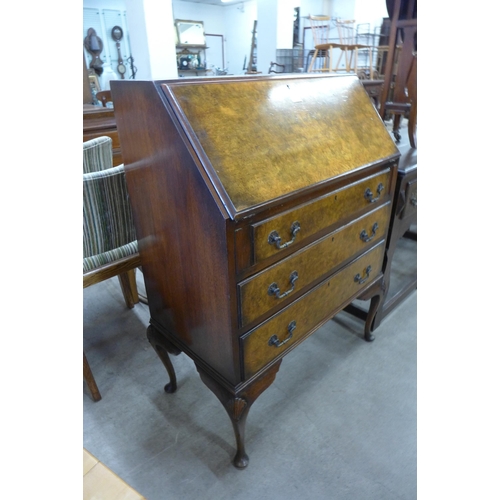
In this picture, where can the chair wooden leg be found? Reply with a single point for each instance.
(338, 61)
(412, 125)
(348, 60)
(129, 288)
(312, 61)
(89, 378)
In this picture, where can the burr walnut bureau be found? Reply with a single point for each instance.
(261, 206)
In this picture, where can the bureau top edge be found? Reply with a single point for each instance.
(261, 141)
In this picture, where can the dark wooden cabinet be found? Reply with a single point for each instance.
(403, 225)
(262, 206)
(401, 253)
(98, 122)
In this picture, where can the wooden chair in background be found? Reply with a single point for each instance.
(323, 47)
(104, 96)
(399, 95)
(109, 239)
(350, 48)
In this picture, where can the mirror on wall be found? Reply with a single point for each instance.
(190, 32)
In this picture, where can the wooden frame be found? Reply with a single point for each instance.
(180, 38)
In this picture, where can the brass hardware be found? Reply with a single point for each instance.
(274, 289)
(274, 341)
(369, 194)
(364, 235)
(275, 239)
(358, 278)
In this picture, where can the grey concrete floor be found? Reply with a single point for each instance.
(339, 422)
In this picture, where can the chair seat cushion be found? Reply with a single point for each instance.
(95, 261)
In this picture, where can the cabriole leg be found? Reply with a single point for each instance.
(238, 405)
(374, 305)
(162, 347)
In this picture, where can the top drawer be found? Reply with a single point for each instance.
(273, 235)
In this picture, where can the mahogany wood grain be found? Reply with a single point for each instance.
(98, 122)
(162, 348)
(238, 403)
(176, 217)
(211, 164)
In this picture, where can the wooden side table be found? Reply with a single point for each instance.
(403, 225)
(99, 121)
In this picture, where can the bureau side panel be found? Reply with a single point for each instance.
(181, 230)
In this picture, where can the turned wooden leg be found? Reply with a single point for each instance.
(89, 378)
(237, 405)
(374, 293)
(396, 126)
(162, 346)
(128, 285)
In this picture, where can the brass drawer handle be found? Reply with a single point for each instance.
(369, 194)
(358, 278)
(274, 289)
(364, 235)
(275, 239)
(274, 341)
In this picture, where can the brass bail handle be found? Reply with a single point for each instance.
(274, 288)
(274, 340)
(359, 280)
(275, 239)
(364, 235)
(369, 194)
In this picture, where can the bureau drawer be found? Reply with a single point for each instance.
(265, 290)
(272, 235)
(282, 331)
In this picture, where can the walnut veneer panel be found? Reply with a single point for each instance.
(262, 146)
(318, 214)
(309, 264)
(308, 311)
(213, 166)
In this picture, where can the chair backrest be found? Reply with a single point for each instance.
(97, 154)
(104, 96)
(347, 31)
(320, 28)
(107, 216)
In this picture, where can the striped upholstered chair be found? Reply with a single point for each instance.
(109, 238)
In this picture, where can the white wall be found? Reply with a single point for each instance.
(105, 4)
(238, 26)
(370, 11)
(235, 23)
